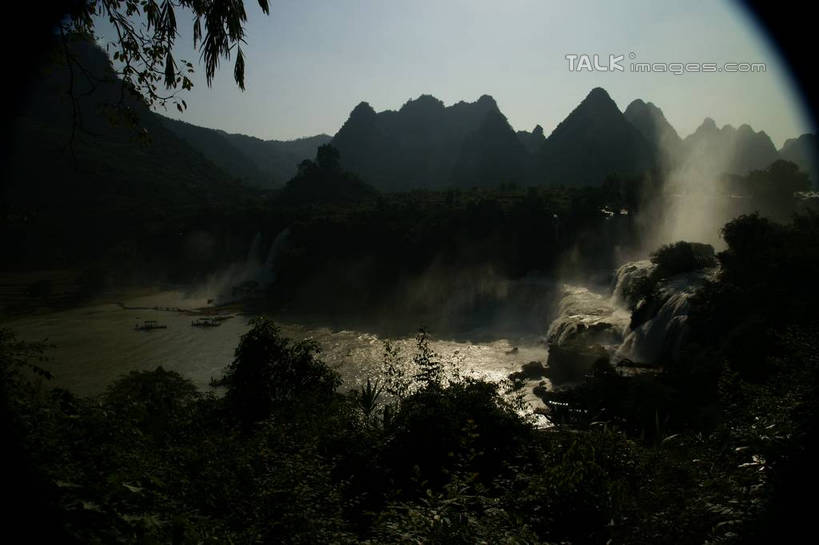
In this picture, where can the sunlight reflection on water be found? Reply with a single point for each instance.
(94, 345)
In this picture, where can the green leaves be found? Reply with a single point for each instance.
(270, 371)
(239, 69)
(368, 396)
(144, 34)
(170, 71)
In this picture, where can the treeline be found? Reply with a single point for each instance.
(352, 248)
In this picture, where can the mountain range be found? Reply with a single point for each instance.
(257, 162)
(425, 144)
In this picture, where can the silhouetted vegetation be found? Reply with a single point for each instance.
(771, 191)
(742, 394)
(682, 257)
(270, 372)
(716, 446)
(323, 181)
(114, 191)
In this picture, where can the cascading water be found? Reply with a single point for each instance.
(268, 270)
(626, 279)
(246, 279)
(659, 325)
(588, 317)
(624, 322)
(252, 260)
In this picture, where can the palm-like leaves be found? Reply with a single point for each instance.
(368, 396)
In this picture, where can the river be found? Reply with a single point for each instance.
(94, 345)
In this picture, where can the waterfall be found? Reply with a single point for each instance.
(247, 271)
(249, 278)
(626, 278)
(252, 260)
(662, 322)
(267, 273)
(262, 272)
(622, 320)
(588, 317)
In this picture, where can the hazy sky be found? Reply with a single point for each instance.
(310, 62)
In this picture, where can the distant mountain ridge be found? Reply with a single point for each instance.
(420, 144)
(730, 150)
(426, 144)
(261, 163)
(804, 151)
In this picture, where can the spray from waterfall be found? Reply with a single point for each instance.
(249, 277)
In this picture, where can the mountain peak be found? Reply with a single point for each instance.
(598, 95)
(423, 102)
(363, 110)
(597, 103)
(537, 131)
(639, 107)
(595, 140)
(487, 100)
(708, 124)
(652, 124)
(598, 92)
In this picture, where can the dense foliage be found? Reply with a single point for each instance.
(681, 257)
(269, 372)
(715, 448)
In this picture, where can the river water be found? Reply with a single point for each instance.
(94, 345)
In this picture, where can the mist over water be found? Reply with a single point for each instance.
(244, 278)
(689, 206)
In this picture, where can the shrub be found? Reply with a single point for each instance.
(152, 400)
(437, 429)
(269, 371)
(682, 257)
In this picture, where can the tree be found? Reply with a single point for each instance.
(145, 34)
(269, 372)
(324, 181)
(328, 158)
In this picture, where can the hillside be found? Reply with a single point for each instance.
(101, 175)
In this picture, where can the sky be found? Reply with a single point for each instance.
(309, 63)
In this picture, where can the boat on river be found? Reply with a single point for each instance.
(149, 325)
(207, 321)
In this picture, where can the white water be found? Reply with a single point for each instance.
(221, 287)
(602, 316)
(580, 310)
(667, 329)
